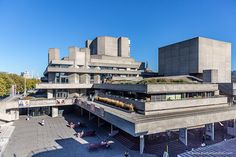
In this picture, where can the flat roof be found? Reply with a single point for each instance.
(194, 38)
(159, 88)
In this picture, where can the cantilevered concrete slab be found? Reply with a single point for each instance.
(138, 124)
(159, 88)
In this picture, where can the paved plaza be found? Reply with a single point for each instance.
(55, 139)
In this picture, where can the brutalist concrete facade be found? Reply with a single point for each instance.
(193, 56)
(110, 46)
(101, 59)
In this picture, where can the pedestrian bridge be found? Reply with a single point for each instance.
(9, 110)
(37, 103)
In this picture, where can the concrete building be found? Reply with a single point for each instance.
(142, 108)
(194, 56)
(102, 59)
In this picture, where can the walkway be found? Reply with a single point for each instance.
(55, 139)
(6, 131)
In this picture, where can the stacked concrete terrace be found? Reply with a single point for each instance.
(101, 59)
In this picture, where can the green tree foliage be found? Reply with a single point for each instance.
(7, 80)
(3, 90)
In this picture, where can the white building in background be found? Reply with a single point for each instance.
(26, 75)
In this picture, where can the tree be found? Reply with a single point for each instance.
(3, 90)
(7, 80)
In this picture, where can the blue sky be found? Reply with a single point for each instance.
(29, 27)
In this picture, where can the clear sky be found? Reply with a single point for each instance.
(29, 27)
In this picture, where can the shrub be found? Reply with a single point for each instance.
(117, 103)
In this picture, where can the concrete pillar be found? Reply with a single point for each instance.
(49, 93)
(81, 111)
(210, 130)
(15, 114)
(85, 79)
(232, 130)
(74, 78)
(54, 111)
(183, 135)
(90, 116)
(111, 128)
(99, 122)
(97, 79)
(141, 144)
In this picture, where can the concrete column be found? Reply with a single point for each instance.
(97, 79)
(74, 78)
(85, 79)
(99, 122)
(15, 113)
(141, 144)
(81, 111)
(49, 93)
(232, 130)
(210, 130)
(183, 135)
(54, 111)
(90, 116)
(111, 128)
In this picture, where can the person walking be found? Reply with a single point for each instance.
(126, 154)
(43, 122)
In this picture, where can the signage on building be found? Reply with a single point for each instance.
(23, 103)
(60, 101)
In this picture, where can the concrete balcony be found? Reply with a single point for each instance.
(91, 71)
(63, 86)
(160, 88)
(184, 105)
(160, 107)
(179, 88)
(50, 102)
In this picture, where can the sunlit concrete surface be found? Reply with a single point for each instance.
(55, 139)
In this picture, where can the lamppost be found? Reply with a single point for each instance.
(25, 96)
(24, 86)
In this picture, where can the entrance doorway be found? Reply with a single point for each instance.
(35, 111)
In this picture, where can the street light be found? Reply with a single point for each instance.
(24, 86)
(25, 95)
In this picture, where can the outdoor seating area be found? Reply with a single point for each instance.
(85, 133)
(75, 125)
(101, 145)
